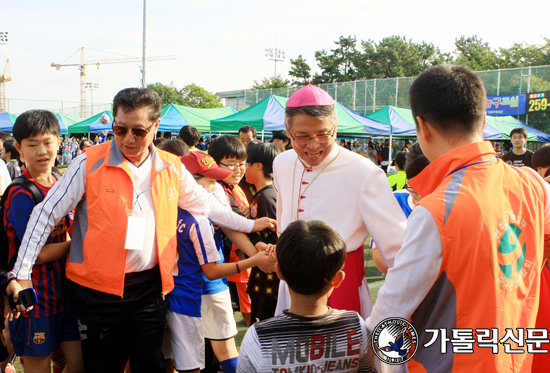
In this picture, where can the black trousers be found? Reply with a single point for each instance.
(113, 329)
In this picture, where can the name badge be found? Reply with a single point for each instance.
(135, 233)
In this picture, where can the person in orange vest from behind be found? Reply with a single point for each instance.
(467, 278)
(541, 362)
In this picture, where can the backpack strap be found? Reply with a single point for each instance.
(36, 196)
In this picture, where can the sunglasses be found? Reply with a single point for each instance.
(136, 132)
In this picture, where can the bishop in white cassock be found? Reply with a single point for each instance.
(321, 180)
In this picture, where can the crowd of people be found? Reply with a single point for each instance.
(142, 251)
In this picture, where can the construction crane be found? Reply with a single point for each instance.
(82, 67)
(4, 78)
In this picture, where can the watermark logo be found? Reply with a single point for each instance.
(394, 340)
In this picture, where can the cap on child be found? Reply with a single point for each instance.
(310, 95)
(201, 163)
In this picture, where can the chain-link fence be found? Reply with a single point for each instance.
(17, 106)
(366, 96)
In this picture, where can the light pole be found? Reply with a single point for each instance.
(275, 54)
(92, 87)
(144, 63)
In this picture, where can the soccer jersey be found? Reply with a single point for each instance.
(404, 199)
(196, 247)
(219, 285)
(48, 279)
(398, 180)
(336, 341)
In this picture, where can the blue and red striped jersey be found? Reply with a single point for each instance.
(48, 279)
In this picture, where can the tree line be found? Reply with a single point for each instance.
(395, 57)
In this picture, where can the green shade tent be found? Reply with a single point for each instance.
(269, 115)
(92, 125)
(498, 128)
(6, 122)
(174, 117)
(65, 121)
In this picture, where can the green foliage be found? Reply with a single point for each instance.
(198, 97)
(271, 82)
(300, 69)
(395, 56)
(476, 54)
(168, 93)
(191, 95)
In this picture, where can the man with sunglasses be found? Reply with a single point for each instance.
(313, 182)
(123, 245)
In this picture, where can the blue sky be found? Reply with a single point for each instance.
(220, 45)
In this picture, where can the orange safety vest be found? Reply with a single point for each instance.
(491, 220)
(97, 258)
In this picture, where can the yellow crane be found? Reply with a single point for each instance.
(82, 67)
(4, 78)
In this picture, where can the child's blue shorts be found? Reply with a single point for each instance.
(41, 336)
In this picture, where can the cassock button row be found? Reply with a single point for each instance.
(300, 210)
(302, 197)
(308, 170)
(304, 182)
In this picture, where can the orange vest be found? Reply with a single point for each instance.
(491, 220)
(97, 259)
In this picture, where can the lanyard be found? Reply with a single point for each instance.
(139, 194)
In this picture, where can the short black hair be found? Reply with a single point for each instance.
(3, 135)
(540, 158)
(130, 99)
(81, 146)
(158, 141)
(520, 130)
(176, 147)
(35, 122)
(226, 146)
(400, 160)
(190, 135)
(264, 153)
(246, 129)
(318, 112)
(451, 98)
(310, 254)
(416, 161)
(9, 147)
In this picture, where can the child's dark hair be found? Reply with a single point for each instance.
(541, 158)
(176, 147)
(226, 146)
(310, 254)
(400, 160)
(190, 135)
(9, 146)
(35, 122)
(264, 153)
(416, 161)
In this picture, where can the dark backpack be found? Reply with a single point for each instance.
(37, 196)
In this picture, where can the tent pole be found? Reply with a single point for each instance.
(262, 135)
(389, 156)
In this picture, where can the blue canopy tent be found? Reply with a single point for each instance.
(174, 117)
(65, 121)
(6, 122)
(497, 128)
(269, 115)
(93, 125)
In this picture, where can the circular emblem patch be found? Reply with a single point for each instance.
(394, 340)
(515, 253)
